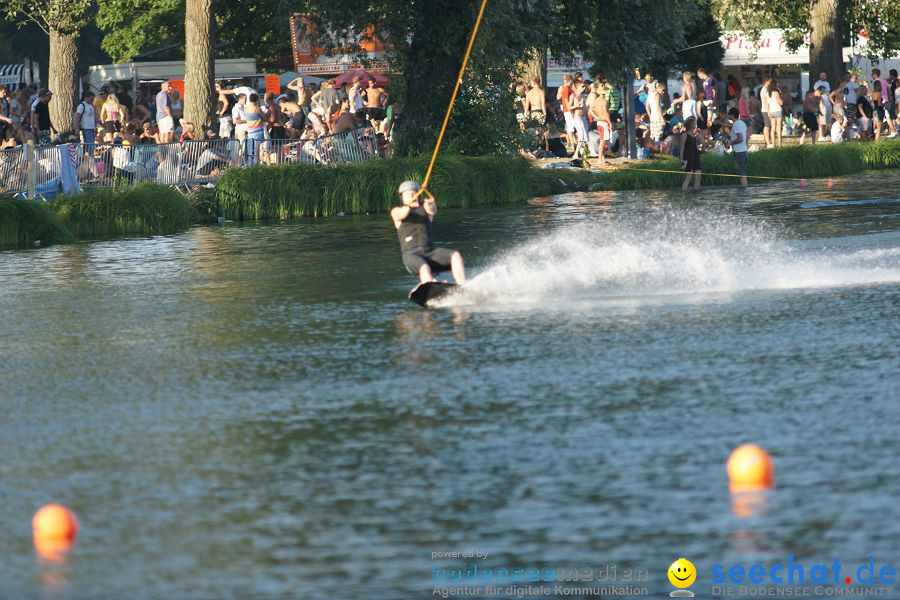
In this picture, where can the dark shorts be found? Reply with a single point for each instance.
(375, 112)
(436, 258)
(740, 163)
(811, 120)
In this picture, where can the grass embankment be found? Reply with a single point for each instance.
(808, 161)
(23, 223)
(296, 190)
(146, 209)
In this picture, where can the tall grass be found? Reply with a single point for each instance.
(146, 209)
(289, 191)
(25, 222)
(808, 161)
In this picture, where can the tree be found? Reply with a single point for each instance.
(702, 48)
(134, 26)
(258, 28)
(829, 24)
(62, 21)
(619, 35)
(199, 67)
(428, 42)
(429, 39)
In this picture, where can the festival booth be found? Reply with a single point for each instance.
(310, 59)
(146, 72)
(16, 76)
(746, 60)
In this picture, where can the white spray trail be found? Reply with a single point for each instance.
(692, 252)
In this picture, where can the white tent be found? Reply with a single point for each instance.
(15, 76)
(225, 68)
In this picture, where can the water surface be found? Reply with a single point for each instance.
(255, 411)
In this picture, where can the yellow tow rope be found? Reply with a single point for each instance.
(462, 70)
(720, 174)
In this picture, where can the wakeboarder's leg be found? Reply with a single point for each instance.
(425, 275)
(457, 268)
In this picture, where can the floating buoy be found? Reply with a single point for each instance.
(831, 183)
(54, 523)
(804, 183)
(750, 468)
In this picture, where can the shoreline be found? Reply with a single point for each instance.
(291, 191)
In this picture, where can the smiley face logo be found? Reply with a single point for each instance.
(682, 573)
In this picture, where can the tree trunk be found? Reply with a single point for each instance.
(62, 79)
(199, 34)
(429, 77)
(534, 66)
(826, 24)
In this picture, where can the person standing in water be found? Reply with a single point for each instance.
(413, 221)
(690, 155)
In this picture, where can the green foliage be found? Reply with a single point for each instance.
(206, 207)
(135, 26)
(258, 28)
(620, 35)
(430, 39)
(483, 120)
(289, 191)
(64, 16)
(25, 222)
(146, 209)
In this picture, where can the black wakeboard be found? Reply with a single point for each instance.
(424, 293)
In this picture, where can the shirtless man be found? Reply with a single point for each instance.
(654, 109)
(811, 106)
(688, 99)
(376, 99)
(536, 103)
(303, 94)
(413, 221)
(600, 111)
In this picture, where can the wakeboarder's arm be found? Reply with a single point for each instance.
(398, 213)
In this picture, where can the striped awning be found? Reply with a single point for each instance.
(11, 75)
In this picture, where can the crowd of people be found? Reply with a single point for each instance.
(112, 117)
(584, 119)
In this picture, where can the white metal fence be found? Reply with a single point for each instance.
(187, 163)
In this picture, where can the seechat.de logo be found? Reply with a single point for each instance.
(797, 573)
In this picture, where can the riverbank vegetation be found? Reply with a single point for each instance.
(795, 162)
(25, 224)
(297, 190)
(146, 209)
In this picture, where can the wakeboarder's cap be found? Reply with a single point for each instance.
(409, 186)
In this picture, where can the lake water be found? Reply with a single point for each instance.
(256, 411)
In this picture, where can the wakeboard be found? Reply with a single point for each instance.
(424, 293)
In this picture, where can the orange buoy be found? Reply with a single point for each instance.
(750, 468)
(831, 183)
(54, 522)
